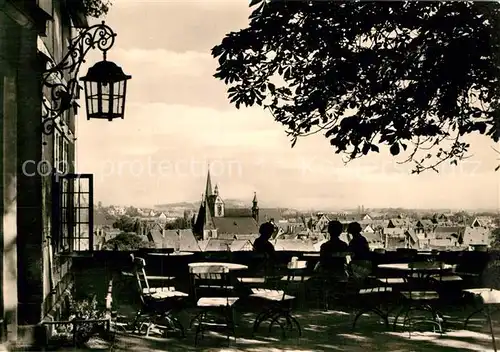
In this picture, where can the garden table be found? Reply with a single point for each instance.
(229, 266)
(171, 254)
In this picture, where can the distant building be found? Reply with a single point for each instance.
(216, 221)
(183, 240)
(162, 218)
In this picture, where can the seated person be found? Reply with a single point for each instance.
(358, 246)
(328, 260)
(262, 243)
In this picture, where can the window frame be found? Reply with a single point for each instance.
(67, 212)
(61, 147)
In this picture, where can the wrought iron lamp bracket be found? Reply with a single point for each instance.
(62, 91)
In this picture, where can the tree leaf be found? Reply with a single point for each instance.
(394, 149)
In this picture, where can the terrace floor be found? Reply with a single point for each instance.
(322, 331)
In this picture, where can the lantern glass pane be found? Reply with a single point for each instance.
(105, 98)
(117, 98)
(93, 97)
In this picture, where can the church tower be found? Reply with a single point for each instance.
(218, 204)
(255, 207)
(204, 228)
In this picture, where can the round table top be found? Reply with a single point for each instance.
(230, 266)
(406, 267)
(170, 254)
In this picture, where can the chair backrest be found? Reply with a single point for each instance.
(260, 264)
(419, 280)
(295, 272)
(438, 265)
(139, 271)
(405, 254)
(210, 281)
(360, 269)
(335, 264)
(473, 262)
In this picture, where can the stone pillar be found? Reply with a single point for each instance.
(29, 189)
(8, 171)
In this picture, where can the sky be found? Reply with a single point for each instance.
(178, 121)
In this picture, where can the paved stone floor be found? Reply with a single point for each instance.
(322, 331)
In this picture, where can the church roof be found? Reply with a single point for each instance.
(236, 225)
(237, 212)
(188, 242)
(203, 220)
(268, 214)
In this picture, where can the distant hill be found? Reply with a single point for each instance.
(230, 203)
(187, 205)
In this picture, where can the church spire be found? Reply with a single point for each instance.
(208, 188)
(255, 207)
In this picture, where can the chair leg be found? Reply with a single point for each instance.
(295, 321)
(176, 324)
(194, 319)
(263, 316)
(199, 327)
(408, 319)
(375, 310)
(136, 321)
(477, 311)
(229, 317)
(276, 319)
(325, 300)
(490, 323)
(435, 317)
(396, 318)
(291, 321)
(148, 330)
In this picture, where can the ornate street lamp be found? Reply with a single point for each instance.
(105, 90)
(105, 82)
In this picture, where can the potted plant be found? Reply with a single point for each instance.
(85, 321)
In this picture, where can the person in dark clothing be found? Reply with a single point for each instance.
(332, 261)
(358, 246)
(264, 250)
(262, 244)
(334, 244)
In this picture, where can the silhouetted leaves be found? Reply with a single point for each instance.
(394, 149)
(96, 8)
(411, 75)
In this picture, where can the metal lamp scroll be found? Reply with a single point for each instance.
(105, 82)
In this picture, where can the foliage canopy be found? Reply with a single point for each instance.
(96, 8)
(126, 224)
(414, 76)
(126, 242)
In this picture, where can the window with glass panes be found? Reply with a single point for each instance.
(75, 212)
(61, 152)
